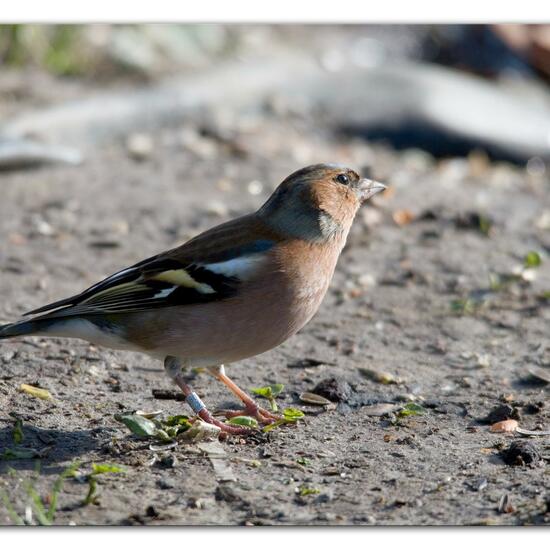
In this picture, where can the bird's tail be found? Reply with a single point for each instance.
(23, 328)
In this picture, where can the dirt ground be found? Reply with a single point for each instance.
(424, 291)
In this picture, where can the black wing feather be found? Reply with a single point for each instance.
(135, 289)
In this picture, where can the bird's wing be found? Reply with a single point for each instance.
(207, 268)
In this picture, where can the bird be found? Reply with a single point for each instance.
(233, 292)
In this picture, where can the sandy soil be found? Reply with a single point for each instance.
(390, 309)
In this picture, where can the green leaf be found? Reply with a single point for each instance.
(91, 496)
(495, 282)
(177, 420)
(485, 225)
(467, 306)
(107, 469)
(19, 453)
(166, 435)
(274, 425)
(289, 415)
(269, 392)
(99, 469)
(18, 431)
(276, 389)
(263, 392)
(411, 409)
(247, 421)
(173, 426)
(292, 415)
(303, 461)
(58, 485)
(165, 430)
(304, 490)
(532, 259)
(138, 425)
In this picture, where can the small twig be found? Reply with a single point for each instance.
(168, 394)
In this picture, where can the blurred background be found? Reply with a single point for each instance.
(445, 89)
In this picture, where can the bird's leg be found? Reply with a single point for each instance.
(172, 366)
(251, 408)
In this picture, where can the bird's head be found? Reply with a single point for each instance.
(318, 202)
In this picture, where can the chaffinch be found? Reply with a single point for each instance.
(232, 292)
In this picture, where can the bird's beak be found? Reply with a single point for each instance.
(368, 188)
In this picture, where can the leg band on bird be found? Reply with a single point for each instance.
(194, 401)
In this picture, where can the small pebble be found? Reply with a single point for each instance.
(168, 461)
(500, 413)
(139, 146)
(255, 187)
(333, 389)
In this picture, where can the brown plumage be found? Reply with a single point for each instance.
(235, 291)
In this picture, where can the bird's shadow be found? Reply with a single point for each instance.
(52, 447)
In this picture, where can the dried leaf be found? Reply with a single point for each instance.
(403, 217)
(487, 450)
(314, 399)
(379, 376)
(201, 431)
(380, 409)
(35, 392)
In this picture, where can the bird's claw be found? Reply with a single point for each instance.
(260, 414)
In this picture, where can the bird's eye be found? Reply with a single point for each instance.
(343, 179)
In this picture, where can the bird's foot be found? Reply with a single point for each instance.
(227, 429)
(253, 410)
